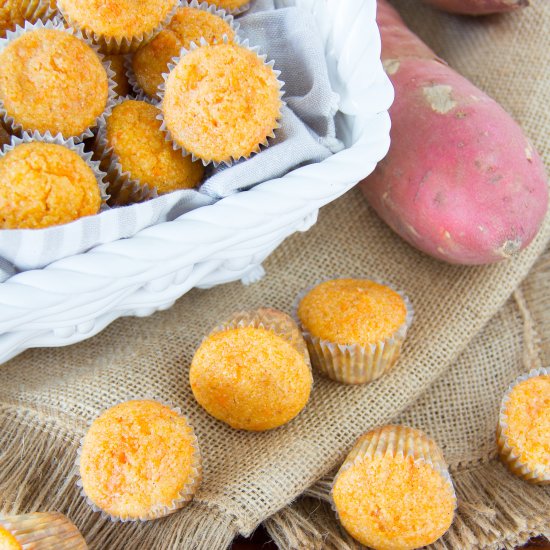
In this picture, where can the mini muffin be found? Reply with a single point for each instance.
(122, 86)
(62, 87)
(393, 491)
(232, 6)
(139, 460)
(45, 184)
(118, 26)
(354, 328)
(523, 431)
(139, 155)
(189, 24)
(221, 102)
(253, 371)
(16, 12)
(40, 531)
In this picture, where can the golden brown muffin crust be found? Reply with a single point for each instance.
(250, 378)
(136, 459)
(221, 102)
(52, 81)
(527, 415)
(188, 25)
(117, 19)
(133, 132)
(352, 311)
(44, 184)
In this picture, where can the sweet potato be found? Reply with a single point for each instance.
(461, 182)
(478, 7)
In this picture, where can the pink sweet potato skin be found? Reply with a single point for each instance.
(461, 182)
(478, 7)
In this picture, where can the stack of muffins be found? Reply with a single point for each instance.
(105, 104)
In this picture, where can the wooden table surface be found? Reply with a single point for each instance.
(261, 541)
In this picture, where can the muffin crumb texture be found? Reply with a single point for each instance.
(133, 132)
(352, 311)
(230, 5)
(52, 81)
(44, 184)
(136, 460)
(117, 19)
(221, 102)
(250, 378)
(392, 503)
(188, 25)
(528, 423)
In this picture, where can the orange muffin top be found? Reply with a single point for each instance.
(137, 458)
(250, 378)
(44, 184)
(221, 102)
(527, 414)
(8, 541)
(188, 25)
(11, 15)
(52, 81)
(122, 87)
(352, 311)
(117, 19)
(133, 132)
(230, 5)
(394, 503)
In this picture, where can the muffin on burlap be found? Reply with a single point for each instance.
(62, 87)
(118, 26)
(190, 23)
(139, 460)
(523, 430)
(40, 531)
(44, 183)
(393, 491)
(253, 372)
(354, 328)
(221, 102)
(137, 158)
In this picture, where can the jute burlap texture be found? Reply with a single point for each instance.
(48, 397)
(509, 58)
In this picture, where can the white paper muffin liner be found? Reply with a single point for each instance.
(131, 76)
(203, 6)
(276, 321)
(162, 90)
(58, 25)
(353, 363)
(110, 45)
(396, 441)
(44, 530)
(71, 144)
(186, 494)
(507, 454)
(33, 10)
(124, 188)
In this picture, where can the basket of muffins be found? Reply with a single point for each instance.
(140, 460)
(202, 132)
(200, 96)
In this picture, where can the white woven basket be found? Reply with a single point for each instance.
(76, 297)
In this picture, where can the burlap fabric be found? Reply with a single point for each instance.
(48, 397)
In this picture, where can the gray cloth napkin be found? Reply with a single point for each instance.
(287, 35)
